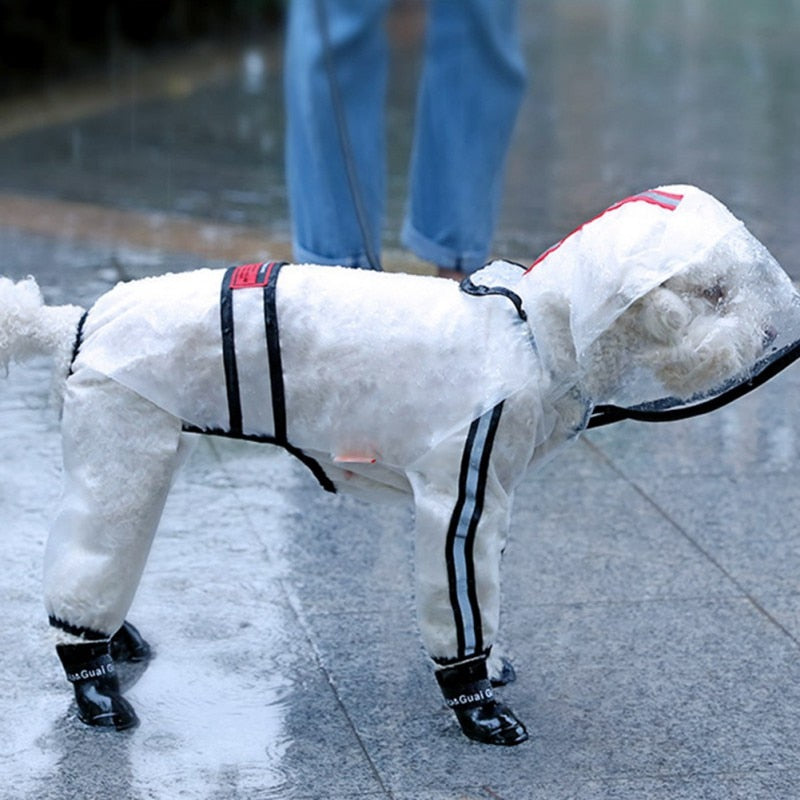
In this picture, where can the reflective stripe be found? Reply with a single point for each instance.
(666, 200)
(463, 530)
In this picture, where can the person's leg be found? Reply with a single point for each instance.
(461, 519)
(325, 217)
(472, 86)
(120, 454)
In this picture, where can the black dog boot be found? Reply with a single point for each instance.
(127, 644)
(90, 670)
(468, 691)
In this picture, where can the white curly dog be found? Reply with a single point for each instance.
(381, 384)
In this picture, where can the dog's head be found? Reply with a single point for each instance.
(713, 320)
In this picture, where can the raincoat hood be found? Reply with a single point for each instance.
(609, 263)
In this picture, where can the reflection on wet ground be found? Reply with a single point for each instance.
(651, 589)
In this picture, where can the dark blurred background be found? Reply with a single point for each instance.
(67, 38)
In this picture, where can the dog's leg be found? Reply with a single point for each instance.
(462, 515)
(120, 454)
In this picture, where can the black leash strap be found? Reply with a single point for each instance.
(76, 347)
(343, 132)
(274, 355)
(482, 290)
(479, 290)
(670, 409)
(229, 354)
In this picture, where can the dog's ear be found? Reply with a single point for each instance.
(664, 315)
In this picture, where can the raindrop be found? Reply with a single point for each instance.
(254, 72)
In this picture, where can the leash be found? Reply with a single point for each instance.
(670, 409)
(344, 138)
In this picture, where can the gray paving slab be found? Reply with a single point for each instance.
(657, 690)
(601, 541)
(610, 691)
(697, 787)
(755, 435)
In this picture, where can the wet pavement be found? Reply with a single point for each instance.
(652, 599)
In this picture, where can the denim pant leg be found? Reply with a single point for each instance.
(325, 223)
(472, 86)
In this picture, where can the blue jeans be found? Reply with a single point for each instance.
(472, 84)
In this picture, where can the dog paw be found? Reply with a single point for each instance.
(90, 669)
(468, 691)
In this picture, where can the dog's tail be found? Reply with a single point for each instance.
(29, 328)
